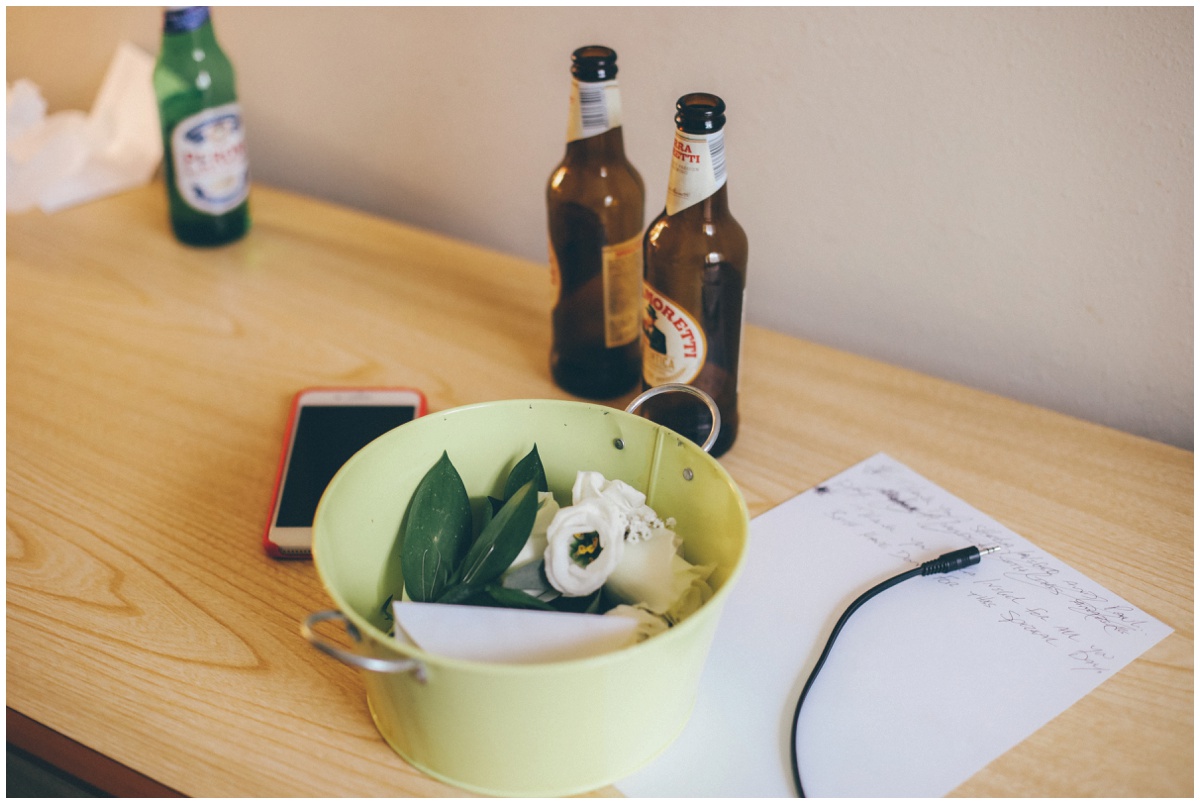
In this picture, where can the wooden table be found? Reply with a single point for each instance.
(153, 647)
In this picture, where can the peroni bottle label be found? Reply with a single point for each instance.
(212, 172)
(697, 169)
(673, 343)
(595, 108)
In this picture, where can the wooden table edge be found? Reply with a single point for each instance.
(76, 759)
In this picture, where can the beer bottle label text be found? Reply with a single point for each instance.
(697, 169)
(673, 344)
(212, 172)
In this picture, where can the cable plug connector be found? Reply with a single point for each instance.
(959, 559)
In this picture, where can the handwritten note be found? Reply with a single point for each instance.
(929, 681)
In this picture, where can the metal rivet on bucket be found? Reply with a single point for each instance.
(641, 398)
(618, 443)
(687, 474)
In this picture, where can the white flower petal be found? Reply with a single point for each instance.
(587, 485)
(690, 589)
(645, 574)
(591, 515)
(649, 623)
(625, 496)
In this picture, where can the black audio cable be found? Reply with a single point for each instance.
(949, 562)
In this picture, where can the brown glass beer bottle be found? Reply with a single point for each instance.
(596, 205)
(695, 255)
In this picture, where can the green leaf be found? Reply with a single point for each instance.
(588, 604)
(460, 594)
(501, 539)
(437, 532)
(527, 469)
(487, 511)
(515, 598)
(530, 578)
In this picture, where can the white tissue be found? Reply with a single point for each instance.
(510, 636)
(70, 157)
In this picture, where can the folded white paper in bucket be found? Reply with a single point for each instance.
(509, 636)
(70, 157)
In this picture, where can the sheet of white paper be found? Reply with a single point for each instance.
(510, 636)
(927, 683)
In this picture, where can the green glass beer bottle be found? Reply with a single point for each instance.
(595, 201)
(695, 283)
(204, 144)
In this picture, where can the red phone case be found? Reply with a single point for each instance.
(271, 548)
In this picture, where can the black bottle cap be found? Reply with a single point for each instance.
(594, 63)
(699, 113)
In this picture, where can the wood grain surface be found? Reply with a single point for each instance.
(147, 390)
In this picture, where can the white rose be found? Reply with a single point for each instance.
(644, 574)
(690, 587)
(640, 519)
(648, 624)
(654, 576)
(593, 484)
(587, 484)
(585, 543)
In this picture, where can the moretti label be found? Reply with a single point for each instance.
(673, 344)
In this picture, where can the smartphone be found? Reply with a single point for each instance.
(325, 427)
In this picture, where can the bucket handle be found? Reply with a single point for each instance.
(641, 398)
(372, 663)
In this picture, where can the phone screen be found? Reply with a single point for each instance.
(325, 438)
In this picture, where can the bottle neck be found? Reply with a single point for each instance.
(711, 210)
(607, 147)
(185, 35)
(595, 109)
(716, 205)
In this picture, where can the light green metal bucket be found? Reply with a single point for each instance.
(537, 729)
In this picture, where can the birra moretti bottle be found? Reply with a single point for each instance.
(204, 143)
(695, 281)
(596, 206)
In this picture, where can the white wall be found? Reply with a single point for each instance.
(1003, 197)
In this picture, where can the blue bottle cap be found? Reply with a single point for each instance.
(181, 19)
